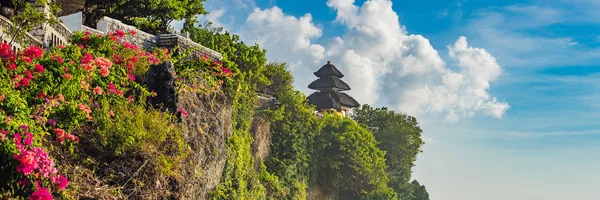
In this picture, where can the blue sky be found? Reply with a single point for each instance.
(535, 133)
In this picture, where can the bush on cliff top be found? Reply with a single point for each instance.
(88, 87)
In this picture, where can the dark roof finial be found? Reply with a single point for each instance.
(329, 62)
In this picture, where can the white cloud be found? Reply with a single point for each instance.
(383, 64)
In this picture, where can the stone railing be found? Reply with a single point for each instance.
(149, 41)
(91, 30)
(19, 42)
(186, 43)
(57, 34)
(141, 38)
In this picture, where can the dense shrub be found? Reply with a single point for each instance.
(400, 136)
(48, 96)
(350, 166)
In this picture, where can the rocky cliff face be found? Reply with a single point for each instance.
(206, 130)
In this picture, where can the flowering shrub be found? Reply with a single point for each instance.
(46, 95)
(203, 74)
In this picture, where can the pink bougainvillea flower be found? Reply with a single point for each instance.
(26, 162)
(11, 66)
(111, 113)
(103, 62)
(5, 52)
(33, 52)
(61, 46)
(24, 82)
(87, 67)
(40, 193)
(131, 77)
(227, 72)
(44, 165)
(60, 60)
(60, 135)
(2, 97)
(28, 138)
(60, 97)
(61, 182)
(97, 90)
(183, 112)
(67, 76)
(28, 74)
(39, 68)
(26, 59)
(117, 59)
(132, 32)
(120, 33)
(104, 72)
(87, 58)
(119, 92)
(112, 88)
(84, 85)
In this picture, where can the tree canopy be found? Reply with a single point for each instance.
(153, 16)
(400, 136)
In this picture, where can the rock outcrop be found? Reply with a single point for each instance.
(161, 80)
(206, 129)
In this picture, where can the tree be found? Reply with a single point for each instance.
(292, 135)
(153, 16)
(419, 191)
(350, 166)
(28, 15)
(400, 136)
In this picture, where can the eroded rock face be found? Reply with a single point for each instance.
(206, 129)
(160, 78)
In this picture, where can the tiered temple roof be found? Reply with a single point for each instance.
(330, 87)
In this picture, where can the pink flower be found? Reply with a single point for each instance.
(183, 112)
(33, 52)
(103, 62)
(39, 68)
(111, 88)
(28, 138)
(40, 193)
(87, 58)
(68, 76)
(104, 72)
(27, 162)
(132, 32)
(131, 77)
(24, 82)
(26, 59)
(111, 113)
(120, 33)
(98, 90)
(11, 66)
(61, 181)
(87, 67)
(60, 135)
(60, 97)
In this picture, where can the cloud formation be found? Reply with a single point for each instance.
(383, 63)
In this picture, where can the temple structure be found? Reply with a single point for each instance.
(330, 97)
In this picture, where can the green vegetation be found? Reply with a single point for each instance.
(400, 136)
(350, 164)
(153, 16)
